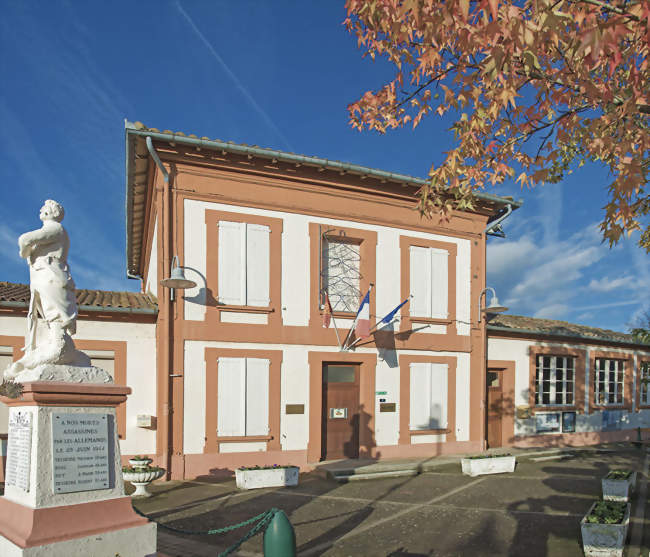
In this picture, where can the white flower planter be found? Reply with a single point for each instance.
(488, 465)
(137, 463)
(267, 477)
(604, 540)
(618, 490)
(141, 479)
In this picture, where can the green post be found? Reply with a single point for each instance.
(279, 537)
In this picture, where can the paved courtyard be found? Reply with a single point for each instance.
(534, 512)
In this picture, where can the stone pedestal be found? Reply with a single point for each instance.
(64, 493)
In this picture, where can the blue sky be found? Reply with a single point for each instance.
(274, 74)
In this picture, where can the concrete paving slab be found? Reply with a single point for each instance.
(534, 511)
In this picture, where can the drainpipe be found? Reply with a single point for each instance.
(493, 226)
(169, 330)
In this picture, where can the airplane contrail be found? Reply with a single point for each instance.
(232, 76)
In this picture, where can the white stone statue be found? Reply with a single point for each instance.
(53, 301)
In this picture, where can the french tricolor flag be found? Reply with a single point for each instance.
(362, 320)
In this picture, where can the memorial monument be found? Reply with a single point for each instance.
(64, 493)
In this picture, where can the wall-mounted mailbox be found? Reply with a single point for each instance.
(387, 407)
(294, 409)
(146, 421)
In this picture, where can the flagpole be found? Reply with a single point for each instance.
(381, 321)
(329, 307)
(354, 323)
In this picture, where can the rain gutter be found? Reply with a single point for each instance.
(107, 309)
(571, 335)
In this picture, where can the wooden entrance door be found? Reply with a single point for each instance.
(495, 407)
(340, 430)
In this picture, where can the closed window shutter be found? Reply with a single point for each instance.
(420, 271)
(439, 283)
(231, 394)
(257, 396)
(257, 265)
(438, 411)
(232, 263)
(420, 395)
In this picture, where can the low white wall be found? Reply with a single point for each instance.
(518, 351)
(140, 370)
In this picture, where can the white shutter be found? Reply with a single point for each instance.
(232, 263)
(438, 412)
(420, 263)
(257, 396)
(420, 395)
(439, 283)
(257, 265)
(231, 393)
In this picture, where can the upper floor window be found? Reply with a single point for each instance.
(644, 378)
(554, 380)
(429, 274)
(341, 273)
(244, 264)
(608, 381)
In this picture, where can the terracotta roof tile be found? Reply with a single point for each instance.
(558, 328)
(15, 292)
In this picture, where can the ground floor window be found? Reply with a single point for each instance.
(428, 396)
(555, 422)
(242, 397)
(608, 381)
(644, 378)
(554, 380)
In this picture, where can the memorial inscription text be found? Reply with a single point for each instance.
(80, 452)
(19, 449)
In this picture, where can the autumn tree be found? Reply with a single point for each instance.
(536, 87)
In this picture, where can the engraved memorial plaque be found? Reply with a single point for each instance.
(80, 452)
(19, 449)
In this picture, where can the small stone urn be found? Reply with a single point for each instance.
(141, 474)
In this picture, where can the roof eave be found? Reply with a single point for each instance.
(534, 332)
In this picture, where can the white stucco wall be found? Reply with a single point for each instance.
(140, 370)
(295, 263)
(151, 283)
(294, 428)
(518, 350)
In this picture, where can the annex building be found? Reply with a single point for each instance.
(246, 367)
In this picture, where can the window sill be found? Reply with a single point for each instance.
(538, 409)
(429, 431)
(621, 406)
(245, 309)
(244, 438)
(430, 320)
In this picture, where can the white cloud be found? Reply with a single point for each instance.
(606, 284)
(553, 311)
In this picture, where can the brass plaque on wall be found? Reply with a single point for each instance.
(295, 409)
(523, 412)
(387, 407)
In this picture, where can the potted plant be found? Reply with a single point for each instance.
(618, 485)
(253, 477)
(604, 529)
(141, 474)
(138, 461)
(488, 464)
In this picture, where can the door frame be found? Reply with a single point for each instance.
(324, 411)
(507, 376)
(367, 366)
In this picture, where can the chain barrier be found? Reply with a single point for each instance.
(262, 519)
